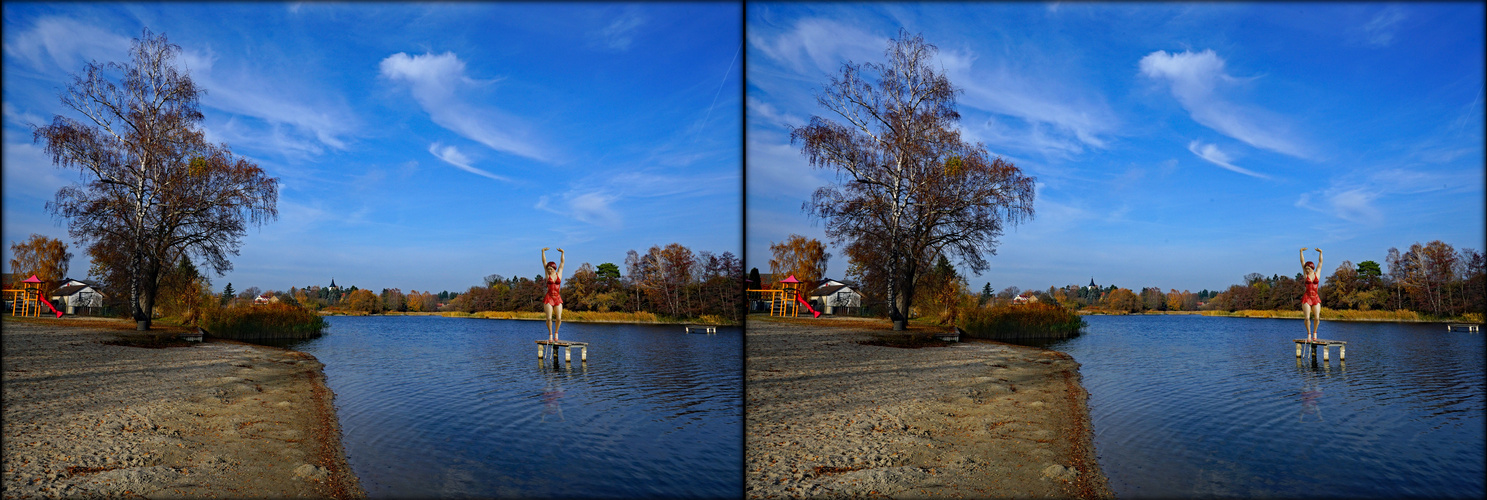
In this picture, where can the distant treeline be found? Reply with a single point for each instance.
(670, 281)
(1433, 279)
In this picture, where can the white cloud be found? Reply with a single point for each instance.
(620, 33)
(819, 45)
(602, 198)
(436, 82)
(1355, 200)
(594, 208)
(1380, 31)
(1196, 80)
(1060, 118)
(67, 44)
(772, 115)
(1214, 155)
(29, 171)
(453, 156)
(778, 170)
(21, 119)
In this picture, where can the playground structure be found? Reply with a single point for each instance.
(785, 300)
(27, 300)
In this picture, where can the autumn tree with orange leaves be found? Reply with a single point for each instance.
(802, 257)
(42, 256)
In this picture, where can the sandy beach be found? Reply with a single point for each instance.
(830, 417)
(218, 419)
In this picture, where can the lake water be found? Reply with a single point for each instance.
(1191, 406)
(456, 407)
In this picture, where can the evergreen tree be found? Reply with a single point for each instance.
(227, 293)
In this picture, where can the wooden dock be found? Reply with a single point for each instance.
(1342, 348)
(1464, 327)
(567, 346)
(702, 328)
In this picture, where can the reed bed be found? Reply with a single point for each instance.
(269, 321)
(1020, 322)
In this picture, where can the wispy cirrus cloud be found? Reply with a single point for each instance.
(453, 156)
(1048, 115)
(67, 44)
(1355, 199)
(620, 32)
(437, 82)
(814, 46)
(773, 115)
(1382, 28)
(1216, 156)
(603, 199)
(308, 123)
(1198, 81)
(1026, 109)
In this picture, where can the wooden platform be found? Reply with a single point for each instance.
(567, 346)
(1342, 348)
(1464, 327)
(702, 328)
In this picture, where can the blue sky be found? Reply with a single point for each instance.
(1175, 145)
(424, 146)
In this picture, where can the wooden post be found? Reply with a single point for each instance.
(583, 353)
(1342, 353)
(541, 350)
(1324, 352)
(568, 353)
(1298, 350)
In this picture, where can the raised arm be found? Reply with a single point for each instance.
(562, 260)
(544, 260)
(1303, 256)
(1319, 262)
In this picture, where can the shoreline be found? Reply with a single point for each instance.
(219, 418)
(538, 317)
(1284, 314)
(828, 416)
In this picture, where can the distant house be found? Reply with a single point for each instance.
(75, 295)
(1024, 298)
(266, 298)
(836, 297)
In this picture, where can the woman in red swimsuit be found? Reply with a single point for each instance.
(1311, 303)
(553, 300)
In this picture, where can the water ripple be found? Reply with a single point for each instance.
(1187, 406)
(434, 406)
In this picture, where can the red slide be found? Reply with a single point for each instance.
(48, 304)
(807, 305)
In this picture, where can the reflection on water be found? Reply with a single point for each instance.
(1189, 406)
(433, 406)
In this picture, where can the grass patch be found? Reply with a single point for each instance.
(262, 321)
(1035, 320)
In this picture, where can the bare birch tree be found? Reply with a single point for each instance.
(909, 189)
(152, 185)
